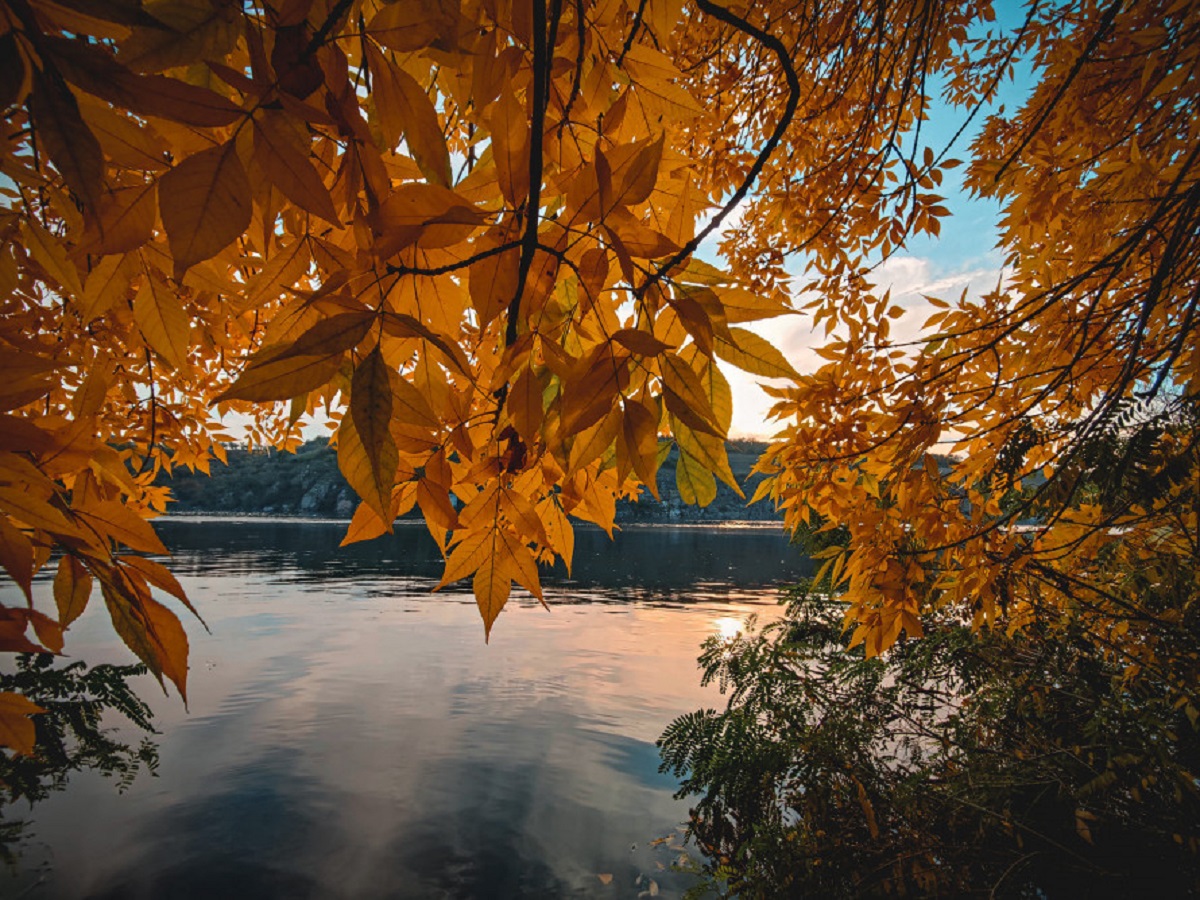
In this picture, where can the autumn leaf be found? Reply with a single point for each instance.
(281, 153)
(695, 482)
(16, 728)
(214, 200)
(754, 354)
(71, 145)
(162, 320)
(366, 451)
(148, 628)
(205, 204)
(72, 589)
(685, 397)
(16, 556)
(283, 372)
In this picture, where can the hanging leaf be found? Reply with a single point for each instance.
(68, 141)
(17, 731)
(280, 149)
(754, 354)
(72, 589)
(205, 204)
(162, 320)
(697, 487)
(366, 452)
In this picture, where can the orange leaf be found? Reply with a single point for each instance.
(162, 320)
(16, 728)
(403, 26)
(205, 204)
(124, 219)
(72, 589)
(66, 138)
(148, 628)
(509, 124)
(113, 519)
(641, 342)
(281, 151)
(160, 576)
(366, 451)
(16, 556)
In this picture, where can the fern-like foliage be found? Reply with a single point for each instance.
(75, 732)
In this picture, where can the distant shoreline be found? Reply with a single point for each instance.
(201, 517)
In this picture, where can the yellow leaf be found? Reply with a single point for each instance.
(742, 305)
(162, 321)
(365, 525)
(595, 440)
(113, 519)
(205, 204)
(33, 510)
(685, 396)
(492, 585)
(697, 487)
(16, 728)
(754, 354)
(639, 437)
(560, 536)
(635, 175)
(708, 451)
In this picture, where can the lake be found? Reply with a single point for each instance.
(351, 734)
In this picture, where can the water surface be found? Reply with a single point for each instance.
(351, 735)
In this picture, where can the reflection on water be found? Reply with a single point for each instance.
(352, 736)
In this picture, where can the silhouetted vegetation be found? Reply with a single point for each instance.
(73, 734)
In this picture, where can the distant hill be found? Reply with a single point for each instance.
(308, 483)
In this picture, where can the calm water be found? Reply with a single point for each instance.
(351, 735)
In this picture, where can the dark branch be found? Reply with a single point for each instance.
(541, 71)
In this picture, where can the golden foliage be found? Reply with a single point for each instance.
(466, 227)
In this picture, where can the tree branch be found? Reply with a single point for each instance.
(542, 60)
